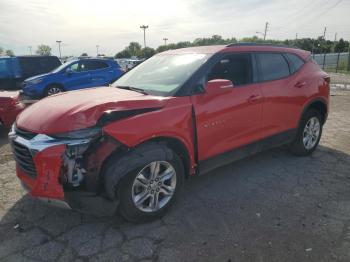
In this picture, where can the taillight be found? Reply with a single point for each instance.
(327, 79)
(14, 101)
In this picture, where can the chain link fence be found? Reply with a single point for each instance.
(333, 62)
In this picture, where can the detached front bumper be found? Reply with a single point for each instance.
(39, 166)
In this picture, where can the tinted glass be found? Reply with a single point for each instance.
(37, 65)
(4, 68)
(163, 74)
(236, 67)
(295, 62)
(273, 66)
(92, 65)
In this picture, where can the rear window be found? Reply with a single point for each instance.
(273, 66)
(38, 65)
(295, 62)
(4, 68)
(93, 65)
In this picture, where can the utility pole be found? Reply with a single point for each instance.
(165, 39)
(296, 36)
(144, 27)
(324, 32)
(97, 46)
(335, 41)
(266, 28)
(59, 47)
(30, 50)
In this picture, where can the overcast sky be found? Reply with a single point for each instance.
(112, 24)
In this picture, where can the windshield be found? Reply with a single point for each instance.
(162, 74)
(58, 69)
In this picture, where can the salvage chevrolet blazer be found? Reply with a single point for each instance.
(130, 147)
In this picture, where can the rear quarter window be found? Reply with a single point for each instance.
(295, 62)
(272, 66)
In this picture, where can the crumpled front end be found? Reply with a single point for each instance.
(60, 170)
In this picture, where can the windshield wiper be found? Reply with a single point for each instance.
(140, 90)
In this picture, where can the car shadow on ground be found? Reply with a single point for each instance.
(272, 206)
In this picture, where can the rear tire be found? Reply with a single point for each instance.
(143, 197)
(53, 89)
(309, 133)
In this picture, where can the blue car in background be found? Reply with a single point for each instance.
(73, 75)
(15, 69)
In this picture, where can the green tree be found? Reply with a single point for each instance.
(43, 50)
(134, 49)
(1, 50)
(341, 46)
(9, 52)
(84, 54)
(147, 52)
(123, 54)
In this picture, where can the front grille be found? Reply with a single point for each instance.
(24, 158)
(24, 133)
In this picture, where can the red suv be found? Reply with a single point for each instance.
(180, 113)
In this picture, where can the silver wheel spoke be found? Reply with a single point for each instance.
(141, 197)
(167, 174)
(154, 169)
(167, 190)
(154, 203)
(142, 179)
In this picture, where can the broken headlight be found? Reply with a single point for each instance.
(86, 133)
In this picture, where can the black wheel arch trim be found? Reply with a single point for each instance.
(308, 105)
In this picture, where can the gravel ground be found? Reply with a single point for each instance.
(269, 207)
(337, 78)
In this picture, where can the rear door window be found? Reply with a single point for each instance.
(4, 68)
(272, 66)
(295, 62)
(93, 65)
(235, 67)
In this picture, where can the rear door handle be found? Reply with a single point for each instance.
(253, 98)
(300, 84)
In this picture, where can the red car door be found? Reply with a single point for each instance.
(283, 95)
(230, 116)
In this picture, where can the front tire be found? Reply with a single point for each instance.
(150, 178)
(52, 90)
(309, 133)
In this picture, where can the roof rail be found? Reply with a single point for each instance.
(258, 44)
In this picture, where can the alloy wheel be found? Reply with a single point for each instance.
(311, 133)
(53, 90)
(154, 186)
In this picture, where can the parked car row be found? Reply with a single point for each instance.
(73, 75)
(185, 112)
(41, 76)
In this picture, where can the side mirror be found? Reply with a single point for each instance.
(217, 86)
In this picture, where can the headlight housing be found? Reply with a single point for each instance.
(86, 133)
(35, 81)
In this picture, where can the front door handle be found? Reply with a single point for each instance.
(300, 84)
(253, 98)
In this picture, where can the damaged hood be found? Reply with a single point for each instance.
(81, 109)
